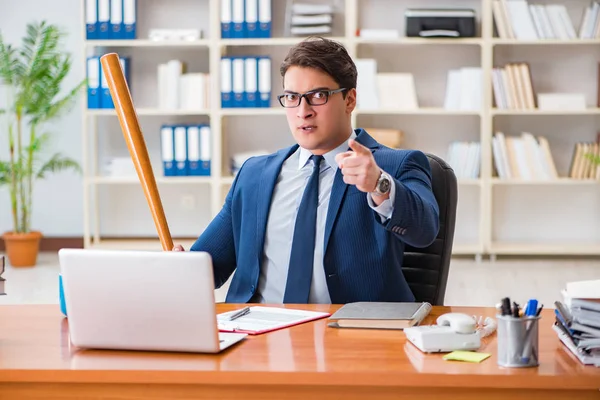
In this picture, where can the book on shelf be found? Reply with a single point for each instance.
(181, 90)
(98, 92)
(522, 20)
(513, 87)
(384, 91)
(464, 89)
(242, 19)
(111, 19)
(582, 161)
(577, 320)
(186, 150)
(246, 82)
(465, 159)
(523, 158)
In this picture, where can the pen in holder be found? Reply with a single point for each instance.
(518, 341)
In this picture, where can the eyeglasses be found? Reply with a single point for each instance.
(314, 97)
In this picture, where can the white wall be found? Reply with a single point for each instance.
(57, 202)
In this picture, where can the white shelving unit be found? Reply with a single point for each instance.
(495, 216)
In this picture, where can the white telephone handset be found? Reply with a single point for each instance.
(454, 331)
(458, 322)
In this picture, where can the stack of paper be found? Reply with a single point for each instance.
(578, 320)
(120, 166)
(464, 89)
(465, 159)
(384, 91)
(182, 91)
(311, 19)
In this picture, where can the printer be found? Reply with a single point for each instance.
(450, 23)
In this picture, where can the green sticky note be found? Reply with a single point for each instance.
(470, 356)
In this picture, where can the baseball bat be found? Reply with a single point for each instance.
(130, 126)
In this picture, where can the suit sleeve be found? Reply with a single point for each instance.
(218, 240)
(415, 219)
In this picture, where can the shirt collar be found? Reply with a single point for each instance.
(329, 156)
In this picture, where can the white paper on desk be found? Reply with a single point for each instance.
(264, 319)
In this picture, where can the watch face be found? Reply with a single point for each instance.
(384, 185)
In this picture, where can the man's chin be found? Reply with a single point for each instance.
(309, 142)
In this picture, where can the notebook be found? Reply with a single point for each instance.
(380, 315)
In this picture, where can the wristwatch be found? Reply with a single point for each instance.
(383, 186)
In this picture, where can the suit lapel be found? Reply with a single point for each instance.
(265, 192)
(338, 190)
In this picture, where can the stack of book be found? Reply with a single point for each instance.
(311, 19)
(513, 87)
(577, 321)
(525, 157)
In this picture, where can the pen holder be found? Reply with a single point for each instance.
(518, 341)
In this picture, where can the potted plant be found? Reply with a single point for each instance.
(32, 76)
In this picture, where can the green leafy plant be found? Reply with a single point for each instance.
(593, 158)
(32, 76)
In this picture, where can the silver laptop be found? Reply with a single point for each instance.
(142, 300)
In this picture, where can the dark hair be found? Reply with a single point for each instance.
(326, 55)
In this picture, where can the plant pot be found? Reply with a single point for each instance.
(22, 248)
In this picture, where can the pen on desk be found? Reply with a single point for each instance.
(240, 313)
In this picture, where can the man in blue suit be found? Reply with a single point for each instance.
(326, 220)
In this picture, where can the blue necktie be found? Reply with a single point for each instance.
(300, 269)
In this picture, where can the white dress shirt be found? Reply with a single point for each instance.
(287, 195)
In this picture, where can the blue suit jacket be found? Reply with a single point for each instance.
(362, 256)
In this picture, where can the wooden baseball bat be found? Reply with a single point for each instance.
(130, 126)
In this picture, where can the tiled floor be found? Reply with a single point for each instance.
(470, 283)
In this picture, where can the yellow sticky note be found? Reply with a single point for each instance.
(470, 356)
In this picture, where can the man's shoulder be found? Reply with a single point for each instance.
(398, 156)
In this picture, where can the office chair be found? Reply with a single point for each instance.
(426, 269)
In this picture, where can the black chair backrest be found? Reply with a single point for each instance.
(426, 269)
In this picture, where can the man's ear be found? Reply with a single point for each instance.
(350, 100)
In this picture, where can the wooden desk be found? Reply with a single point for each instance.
(308, 362)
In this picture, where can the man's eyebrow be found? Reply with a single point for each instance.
(311, 90)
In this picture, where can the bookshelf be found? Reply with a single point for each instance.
(495, 216)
